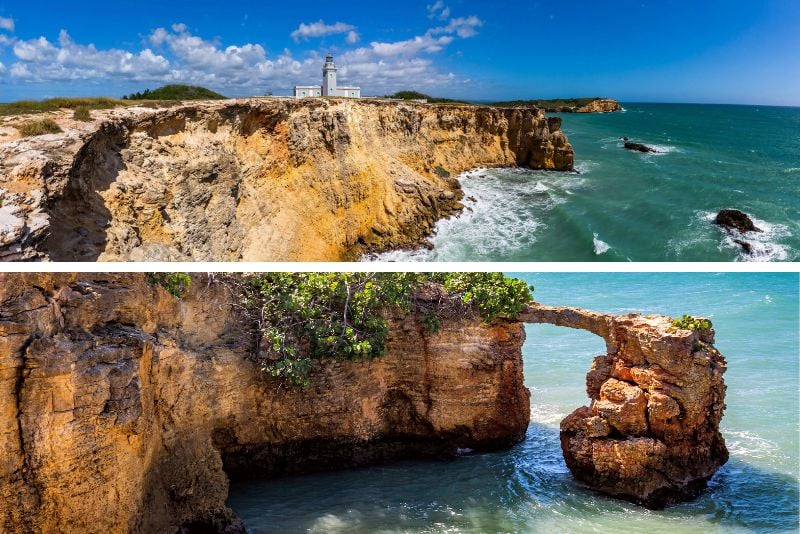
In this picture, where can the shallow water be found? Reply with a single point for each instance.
(629, 206)
(528, 488)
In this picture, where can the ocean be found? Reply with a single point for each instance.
(529, 489)
(629, 206)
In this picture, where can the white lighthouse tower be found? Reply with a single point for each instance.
(329, 86)
(329, 76)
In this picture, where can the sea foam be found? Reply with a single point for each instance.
(600, 247)
(763, 245)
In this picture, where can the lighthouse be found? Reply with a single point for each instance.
(329, 76)
(329, 86)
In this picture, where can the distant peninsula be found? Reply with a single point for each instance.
(566, 105)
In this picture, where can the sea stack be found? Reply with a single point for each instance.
(651, 432)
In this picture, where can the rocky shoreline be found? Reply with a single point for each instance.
(255, 179)
(126, 409)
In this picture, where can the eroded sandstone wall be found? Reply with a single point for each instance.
(651, 432)
(258, 179)
(121, 407)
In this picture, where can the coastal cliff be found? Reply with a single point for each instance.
(257, 179)
(124, 409)
(600, 105)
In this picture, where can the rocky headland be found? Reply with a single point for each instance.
(568, 105)
(651, 432)
(254, 179)
(124, 409)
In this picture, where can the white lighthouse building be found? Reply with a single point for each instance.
(328, 87)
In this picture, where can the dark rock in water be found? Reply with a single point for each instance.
(639, 147)
(625, 138)
(736, 220)
(472, 199)
(747, 247)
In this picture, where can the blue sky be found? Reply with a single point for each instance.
(732, 51)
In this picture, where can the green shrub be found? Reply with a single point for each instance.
(299, 318)
(174, 283)
(40, 127)
(553, 104)
(176, 92)
(441, 172)
(687, 322)
(416, 95)
(82, 114)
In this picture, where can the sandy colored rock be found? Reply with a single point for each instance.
(600, 105)
(123, 409)
(256, 179)
(651, 434)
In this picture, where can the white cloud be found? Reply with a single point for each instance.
(2, 67)
(464, 27)
(438, 10)
(175, 54)
(304, 32)
(409, 47)
(41, 60)
(7, 24)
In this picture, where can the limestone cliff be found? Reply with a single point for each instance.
(257, 179)
(123, 409)
(651, 433)
(600, 105)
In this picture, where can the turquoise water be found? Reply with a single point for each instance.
(529, 489)
(628, 206)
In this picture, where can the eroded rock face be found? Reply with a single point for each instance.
(123, 409)
(600, 105)
(256, 180)
(651, 433)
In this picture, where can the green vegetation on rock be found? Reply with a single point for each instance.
(441, 172)
(554, 104)
(175, 284)
(54, 104)
(416, 95)
(687, 322)
(40, 127)
(82, 114)
(300, 318)
(176, 92)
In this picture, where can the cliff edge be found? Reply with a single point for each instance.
(255, 180)
(124, 409)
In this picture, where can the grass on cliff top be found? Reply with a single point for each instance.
(23, 107)
(44, 126)
(416, 95)
(547, 104)
(161, 97)
(176, 92)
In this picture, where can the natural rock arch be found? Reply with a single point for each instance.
(651, 432)
(124, 409)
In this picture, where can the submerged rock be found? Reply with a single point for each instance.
(732, 219)
(630, 145)
(746, 247)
